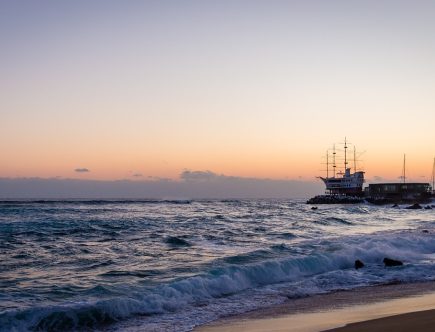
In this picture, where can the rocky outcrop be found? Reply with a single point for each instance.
(335, 199)
(391, 262)
(414, 207)
(358, 264)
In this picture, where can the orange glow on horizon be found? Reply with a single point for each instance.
(260, 165)
(248, 95)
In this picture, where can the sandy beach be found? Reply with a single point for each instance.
(422, 321)
(398, 307)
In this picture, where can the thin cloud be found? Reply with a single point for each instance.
(137, 175)
(188, 175)
(191, 184)
(158, 178)
(82, 170)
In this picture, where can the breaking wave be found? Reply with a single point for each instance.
(314, 266)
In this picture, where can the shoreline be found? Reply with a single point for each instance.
(333, 311)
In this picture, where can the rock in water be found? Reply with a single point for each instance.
(177, 242)
(358, 264)
(392, 262)
(414, 207)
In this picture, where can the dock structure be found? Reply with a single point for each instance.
(385, 193)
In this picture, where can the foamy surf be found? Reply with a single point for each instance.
(158, 269)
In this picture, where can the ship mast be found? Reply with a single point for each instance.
(345, 154)
(333, 160)
(433, 176)
(354, 159)
(327, 164)
(404, 168)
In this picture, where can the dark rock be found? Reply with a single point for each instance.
(414, 207)
(358, 264)
(176, 241)
(314, 208)
(428, 207)
(425, 231)
(391, 262)
(395, 205)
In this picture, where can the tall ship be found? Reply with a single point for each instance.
(344, 182)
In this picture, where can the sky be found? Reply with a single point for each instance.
(143, 90)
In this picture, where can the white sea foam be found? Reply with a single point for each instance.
(171, 266)
(321, 265)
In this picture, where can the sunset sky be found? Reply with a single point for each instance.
(137, 89)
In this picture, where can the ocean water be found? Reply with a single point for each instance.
(173, 265)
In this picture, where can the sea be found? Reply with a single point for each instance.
(172, 265)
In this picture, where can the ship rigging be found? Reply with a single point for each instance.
(343, 183)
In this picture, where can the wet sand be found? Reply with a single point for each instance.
(338, 309)
(422, 321)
